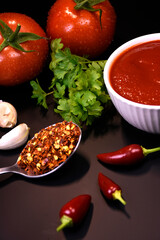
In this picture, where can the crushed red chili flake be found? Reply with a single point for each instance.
(49, 148)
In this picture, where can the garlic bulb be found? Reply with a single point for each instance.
(15, 137)
(8, 115)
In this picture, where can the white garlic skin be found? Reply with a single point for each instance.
(8, 115)
(15, 137)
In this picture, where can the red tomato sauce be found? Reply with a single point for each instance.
(135, 74)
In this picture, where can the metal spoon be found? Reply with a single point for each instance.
(16, 169)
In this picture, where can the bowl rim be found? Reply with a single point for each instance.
(133, 42)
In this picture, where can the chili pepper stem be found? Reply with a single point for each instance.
(65, 222)
(148, 151)
(117, 196)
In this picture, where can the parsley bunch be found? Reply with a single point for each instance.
(77, 86)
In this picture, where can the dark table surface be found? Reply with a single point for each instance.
(29, 208)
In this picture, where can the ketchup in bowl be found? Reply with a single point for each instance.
(135, 73)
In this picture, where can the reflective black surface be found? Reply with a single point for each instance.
(29, 209)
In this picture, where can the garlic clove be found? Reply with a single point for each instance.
(15, 137)
(8, 115)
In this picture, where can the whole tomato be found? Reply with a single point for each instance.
(17, 66)
(80, 30)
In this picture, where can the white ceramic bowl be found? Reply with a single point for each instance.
(141, 116)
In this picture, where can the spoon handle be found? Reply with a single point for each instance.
(14, 169)
(5, 170)
(9, 169)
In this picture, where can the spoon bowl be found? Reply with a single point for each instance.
(15, 168)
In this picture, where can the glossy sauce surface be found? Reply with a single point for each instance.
(135, 74)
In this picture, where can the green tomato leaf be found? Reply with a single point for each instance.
(14, 39)
(25, 36)
(84, 3)
(18, 47)
(88, 5)
(6, 31)
(94, 2)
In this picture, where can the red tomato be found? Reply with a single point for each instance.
(80, 30)
(16, 66)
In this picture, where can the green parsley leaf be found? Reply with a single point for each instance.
(77, 86)
(65, 109)
(39, 94)
(59, 92)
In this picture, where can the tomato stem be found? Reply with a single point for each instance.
(14, 34)
(88, 5)
(3, 45)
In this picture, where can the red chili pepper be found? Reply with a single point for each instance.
(130, 154)
(73, 212)
(110, 189)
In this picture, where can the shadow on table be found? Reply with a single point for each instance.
(73, 170)
(108, 121)
(116, 205)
